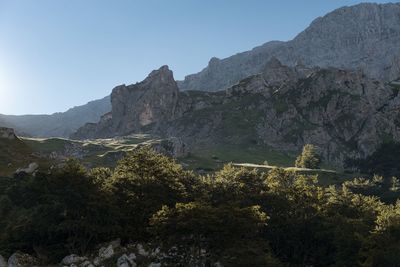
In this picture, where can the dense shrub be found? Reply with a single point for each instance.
(142, 183)
(236, 216)
(55, 214)
(218, 233)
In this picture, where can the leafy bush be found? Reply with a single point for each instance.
(204, 232)
(142, 183)
(55, 214)
(217, 218)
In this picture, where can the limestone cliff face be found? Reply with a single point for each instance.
(345, 113)
(365, 37)
(136, 106)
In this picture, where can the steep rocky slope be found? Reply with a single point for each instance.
(365, 36)
(344, 113)
(136, 106)
(60, 124)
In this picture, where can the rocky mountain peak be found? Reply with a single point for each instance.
(164, 74)
(136, 106)
(364, 36)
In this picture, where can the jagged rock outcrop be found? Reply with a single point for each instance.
(31, 169)
(136, 106)
(364, 36)
(7, 133)
(345, 113)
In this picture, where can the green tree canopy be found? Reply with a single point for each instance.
(309, 158)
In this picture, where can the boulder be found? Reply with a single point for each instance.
(86, 264)
(2, 262)
(106, 252)
(29, 170)
(19, 259)
(142, 251)
(73, 259)
(126, 261)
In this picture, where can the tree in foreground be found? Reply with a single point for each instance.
(142, 183)
(309, 158)
(203, 233)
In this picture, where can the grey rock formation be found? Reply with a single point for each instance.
(172, 147)
(58, 124)
(19, 259)
(127, 261)
(72, 259)
(361, 37)
(345, 113)
(136, 106)
(31, 169)
(7, 133)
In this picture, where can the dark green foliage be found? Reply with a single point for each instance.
(236, 216)
(309, 158)
(384, 161)
(204, 231)
(142, 183)
(56, 213)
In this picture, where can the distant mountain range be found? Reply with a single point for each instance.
(61, 124)
(363, 37)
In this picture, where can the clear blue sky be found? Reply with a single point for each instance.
(56, 54)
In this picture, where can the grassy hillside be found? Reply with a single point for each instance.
(213, 158)
(19, 153)
(15, 154)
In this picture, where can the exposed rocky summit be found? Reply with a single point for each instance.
(135, 106)
(362, 37)
(345, 113)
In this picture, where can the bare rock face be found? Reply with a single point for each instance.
(31, 169)
(136, 106)
(361, 37)
(144, 103)
(345, 113)
(7, 133)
